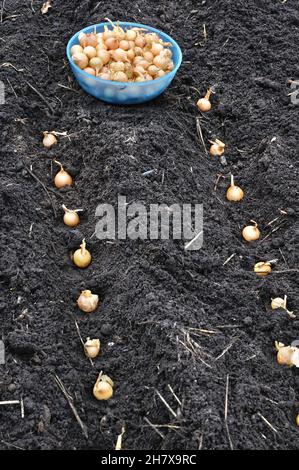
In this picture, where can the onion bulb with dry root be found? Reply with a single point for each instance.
(71, 218)
(234, 193)
(103, 388)
(49, 140)
(82, 257)
(204, 104)
(62, 178)
(87, 302)
(287, 355)
(217, 148)
(251, 233)
(263, 268)
(92, 348)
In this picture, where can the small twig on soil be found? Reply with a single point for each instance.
(67, 88)
(226, 412)
(204, 332)
(40, 95)
(220, 175)
(81, 339)
(10, 402)
(273, 231)
(154, 428)
(70, 402)
(199, 132)
(286, 271)
(8, 64)
(22, 409)
(175, 396)
(12, 88)
(12, 445)
(228, 259)
(2, 11)
(267, 422)
(166, 404)
(224, 351)
(44, 187)
(205, 33)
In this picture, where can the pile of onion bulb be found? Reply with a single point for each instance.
(132, 55)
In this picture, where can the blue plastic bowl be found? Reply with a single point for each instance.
(121, 92)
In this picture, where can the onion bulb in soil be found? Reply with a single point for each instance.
(87, 302)
(103, 388)
(234, 193)
(204, 104)
(297, 419)
(71, 218)
(217, 148)
(278, 302)
(287, 355)
(82, 257)
(49, 140)
(251, 233)
(92, 348)
(62, 178)
(263, 268)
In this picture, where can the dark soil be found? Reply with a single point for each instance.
(151, 291)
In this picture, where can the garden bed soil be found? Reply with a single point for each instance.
(156, 298)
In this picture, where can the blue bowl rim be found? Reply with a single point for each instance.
(128, 84)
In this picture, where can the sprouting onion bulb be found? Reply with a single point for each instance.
(234, 193)
(263, 268)
(251, 232)
(82, 257)
(87, 302)
(287, 355)
(217, 148)
(92, 348)
(103, 388)
(204, 104)
(62, 178)
(49, 139)
(71, 218)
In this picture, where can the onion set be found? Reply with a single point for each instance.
(62, 178)
(87, 302)
(262, 268)
(103, 388)
(132, 55)
(82, 257)
(234, 193)
(204, 104)
(92, 348)
(49, 139)
(287, 355)
(217, 148)
(251, 233)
